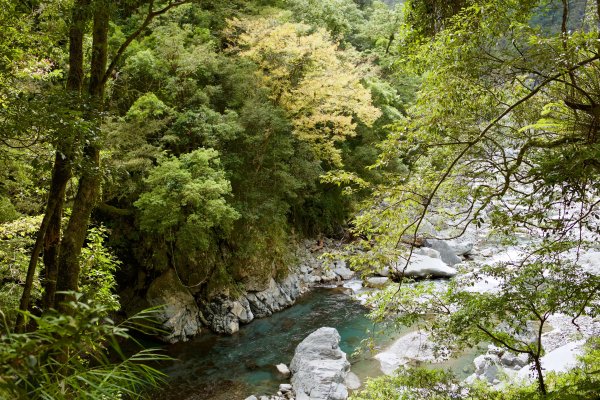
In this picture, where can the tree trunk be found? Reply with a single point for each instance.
(74, 235)
(90, 180)
(76, 31)
(60, 179)
(61, 174)
(540, 374)
(35, 253)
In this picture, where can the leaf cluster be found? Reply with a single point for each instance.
(75, 356)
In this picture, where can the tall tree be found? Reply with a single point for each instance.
(63, 257)
(504, 134)
(317, 84)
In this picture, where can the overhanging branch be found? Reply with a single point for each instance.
(149, 17)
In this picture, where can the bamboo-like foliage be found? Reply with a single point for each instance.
(77, 356)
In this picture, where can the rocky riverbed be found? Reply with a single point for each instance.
(434, 259)
(225, 367)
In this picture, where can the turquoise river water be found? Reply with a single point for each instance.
(213, 367)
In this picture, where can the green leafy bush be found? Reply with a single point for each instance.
(16, 239)
(185, 208)
(98, 267)
(76, 356)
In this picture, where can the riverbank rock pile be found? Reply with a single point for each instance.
(563, 344)
(313, 270)
(184, 312)
(435, 259)
(225, 315)
(285, 392)
(319, 367)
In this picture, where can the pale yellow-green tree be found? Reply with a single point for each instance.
(310, 77)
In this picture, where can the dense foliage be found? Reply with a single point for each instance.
(140, 137)
(65, 357)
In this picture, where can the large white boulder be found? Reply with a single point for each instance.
(319, 367)
(414, 347)
(461, 248)
(421, 266)
(558, 360)
(590, 262)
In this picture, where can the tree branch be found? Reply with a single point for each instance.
(482, 135)
(502, 342)
(149, 17)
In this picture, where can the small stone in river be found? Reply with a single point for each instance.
(285, 387)
(283, 370)
(253, 397)
(352, 381)
(377, 282)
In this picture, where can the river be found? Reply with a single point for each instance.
(214, 367)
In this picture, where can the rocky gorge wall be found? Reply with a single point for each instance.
(184, 315)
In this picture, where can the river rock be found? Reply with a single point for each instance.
(414, 347)
(427, 251)
(591, 262)
(447, 253)
(377, 282)
(305, 269)
(241, 309)
(328, 276)
(283, 370)
(487, 367)
(421, 266)
(285, 387)
(225, 315)
(341, 270)
(179, 316)
(511, 360)
(276, 297)
(384, 271)
(461, 248)
(352, 381)
(319, 367)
